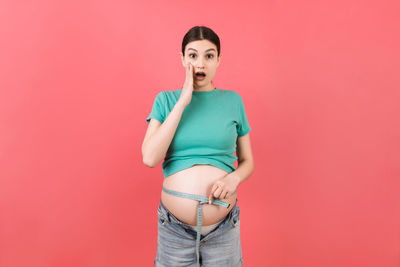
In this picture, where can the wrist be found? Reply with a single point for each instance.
(235, 177)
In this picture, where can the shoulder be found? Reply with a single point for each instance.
(227, 92)
(167, 94)
(160, 95)
(233, 95)
(168, 97)
(172, 93)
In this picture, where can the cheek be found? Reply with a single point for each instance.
(212, 67)
(212, 72)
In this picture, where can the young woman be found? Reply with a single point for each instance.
(196, 130)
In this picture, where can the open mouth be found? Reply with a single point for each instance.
(200, 74)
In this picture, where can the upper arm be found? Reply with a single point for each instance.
(151, 128)
(243, 126)
(243, 148)
(158, 108)
(156, 116)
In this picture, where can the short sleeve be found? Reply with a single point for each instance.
(243, 126)
(158, 110)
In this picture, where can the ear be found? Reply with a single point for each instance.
(182, 59)
(219, 59)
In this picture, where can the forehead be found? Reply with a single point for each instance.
(201, 46)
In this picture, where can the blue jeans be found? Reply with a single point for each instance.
(176, 242)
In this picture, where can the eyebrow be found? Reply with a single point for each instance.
(205, 51)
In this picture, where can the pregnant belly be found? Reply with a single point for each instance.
(197, 180)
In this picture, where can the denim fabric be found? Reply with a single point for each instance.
(176, 242)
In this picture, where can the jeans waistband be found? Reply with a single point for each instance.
(202, 200)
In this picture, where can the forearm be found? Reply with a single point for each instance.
(243, 171)
(157, 146)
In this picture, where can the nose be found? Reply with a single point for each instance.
(199, 63)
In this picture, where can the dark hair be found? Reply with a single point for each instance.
(201, 33)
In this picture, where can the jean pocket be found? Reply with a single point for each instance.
(235, 219)
(161, 217)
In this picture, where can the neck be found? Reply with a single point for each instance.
(207, 87)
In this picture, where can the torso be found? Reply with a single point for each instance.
(197, 180)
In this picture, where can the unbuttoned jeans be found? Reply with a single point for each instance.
(176, 242)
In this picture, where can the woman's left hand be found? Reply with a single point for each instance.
(224, 187)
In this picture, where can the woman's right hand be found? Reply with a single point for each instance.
(187, 89)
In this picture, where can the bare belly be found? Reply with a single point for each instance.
(197, 180)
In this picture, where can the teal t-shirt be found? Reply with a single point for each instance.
(208, 129)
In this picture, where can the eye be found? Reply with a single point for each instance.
(209, 55)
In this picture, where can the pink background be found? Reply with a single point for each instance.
(320, 81)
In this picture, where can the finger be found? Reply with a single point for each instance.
(211, 197)
(227, 194)
(188, 71)
(191, 71)
(224, 194)
(217, 192)
(189, 75)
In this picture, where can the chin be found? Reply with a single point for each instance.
(202, 82)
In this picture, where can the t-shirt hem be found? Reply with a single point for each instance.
(154, 117)
(244, 132)
(184, 164)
